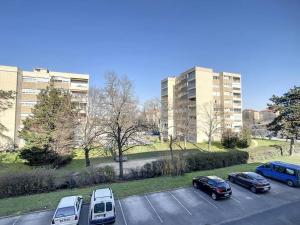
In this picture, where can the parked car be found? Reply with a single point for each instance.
(68, 211)
(102, 208)
(253, 181)
(285, 172)
(213, 185)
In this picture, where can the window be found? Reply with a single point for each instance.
(108, 206)
(216, 78)
(99, 208)
(279, 169)
(29, 79)
(290, 172)
(29, 104)
(66, 211)
(211, 182)
(268, 165)
(42, 79)
(30, 91)
(216, 93)
(227, 93)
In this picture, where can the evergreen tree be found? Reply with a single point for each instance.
(6, 98)
(50, 130)
(288, 120)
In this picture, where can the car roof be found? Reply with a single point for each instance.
(215, 178)
(102, 194)
(291, 166)
(67, 201)
(252, 174)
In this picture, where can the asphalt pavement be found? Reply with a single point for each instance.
(184, 206)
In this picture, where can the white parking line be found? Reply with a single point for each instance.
(158, 216)
(16, 221)
(181, 204)
(206, 200)
(235, 199)
(122, 212)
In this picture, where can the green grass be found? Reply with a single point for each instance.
(23, 204)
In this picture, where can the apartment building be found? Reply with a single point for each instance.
(251, 116)
(27, 85)
(189, 98)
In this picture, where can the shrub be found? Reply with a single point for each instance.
(31, 182)
(90, 176)
(229, 139)
(42, 156)
(213, 160)
(245, 139)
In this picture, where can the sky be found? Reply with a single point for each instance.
(148, 40)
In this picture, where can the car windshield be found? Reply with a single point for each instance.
(223, 184)
(255, 176)
(66, 211)
(99, 208)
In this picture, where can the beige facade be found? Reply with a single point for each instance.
(27, 85)
(188, 99)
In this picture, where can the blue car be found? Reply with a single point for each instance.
(285, 172)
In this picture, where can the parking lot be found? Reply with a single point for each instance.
(190, 206)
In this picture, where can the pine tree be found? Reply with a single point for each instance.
(288, 120)
(51, 127)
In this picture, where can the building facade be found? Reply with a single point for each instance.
(27, 85)
(251, 117)
(189, 100)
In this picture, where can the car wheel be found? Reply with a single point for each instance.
(253, 189)
(290, 183)
(214, 196)
(195, 185)
(231, 179)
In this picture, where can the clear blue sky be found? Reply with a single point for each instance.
(149, 40)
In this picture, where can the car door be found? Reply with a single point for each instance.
(243, 180)
(210, 186)
(239, 179)
(79, 205)
(202, 183)
(278, 173)
(266, 169)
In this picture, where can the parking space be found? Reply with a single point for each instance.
(184, 206)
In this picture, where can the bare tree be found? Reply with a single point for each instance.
(210, 121)
(122, 126)
(151, 113)
(91, 126)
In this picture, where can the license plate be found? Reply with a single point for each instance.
(266, 188)
(226, 195)
(102, 215)
(64, 220)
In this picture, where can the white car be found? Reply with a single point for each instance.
(102, 208)
(68, 211)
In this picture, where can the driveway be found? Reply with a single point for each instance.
(190, 206)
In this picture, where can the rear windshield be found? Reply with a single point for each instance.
(223, 184)
(99, 208)
(66, 211)
(108, 206)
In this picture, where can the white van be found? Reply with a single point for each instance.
(68, 211)
(102, 208)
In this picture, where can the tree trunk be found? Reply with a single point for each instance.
(209, 143)
(184, 142)
(292, 145)
(171, 147)
(121, 174)
(87, 156)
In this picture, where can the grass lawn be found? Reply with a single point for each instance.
(22, 204)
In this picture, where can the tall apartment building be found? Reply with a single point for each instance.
(27, 85)
(187, 98)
